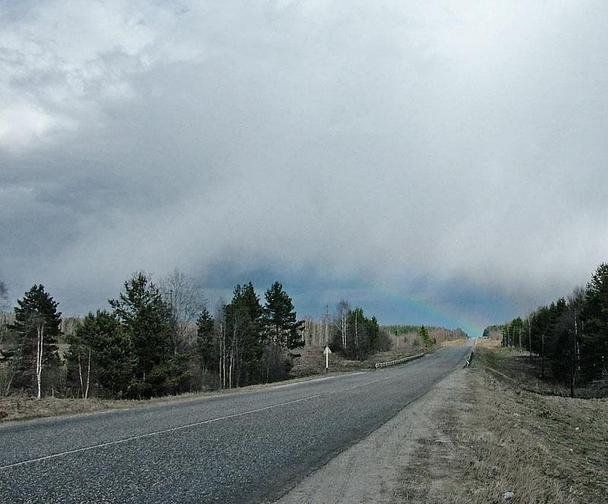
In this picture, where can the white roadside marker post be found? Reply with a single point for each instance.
(326, 352)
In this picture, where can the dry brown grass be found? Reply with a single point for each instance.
(455, 342)
(495, 438)
(21, 407)
(522, 371)
(487, 343)
(312, 361)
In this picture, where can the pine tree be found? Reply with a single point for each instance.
(37, 327)
(280, 318)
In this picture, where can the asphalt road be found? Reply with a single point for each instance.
(244, 447)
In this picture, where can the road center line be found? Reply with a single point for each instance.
(155, 433)
(315, 380)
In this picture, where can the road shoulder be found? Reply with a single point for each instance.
(372, 470)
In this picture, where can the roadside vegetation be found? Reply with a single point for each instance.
(567, 341)
(160, 339)
(422, 336)
(388, 343)
(496, 442)
(152, 341)
(529, 423)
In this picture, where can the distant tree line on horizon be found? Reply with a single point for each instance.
(569, 336)
(162, 339)
(425, 335)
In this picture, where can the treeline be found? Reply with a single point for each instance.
(153, 340)
(355, 335)
(162, 339)
(425, 335)
(569, 336)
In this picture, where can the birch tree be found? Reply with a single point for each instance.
(39, 323)
(342, 311)
(37, 326)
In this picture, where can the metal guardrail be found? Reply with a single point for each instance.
(395, 362)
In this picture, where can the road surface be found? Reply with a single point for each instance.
(246, 447)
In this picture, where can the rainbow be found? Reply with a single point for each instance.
(419, 311)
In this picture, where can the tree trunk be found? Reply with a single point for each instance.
(573, 357)
(530, 339)
(230, 369)
(86, 391)
(519, 335)
(39, 357)
(80, 376)
(356, 334)
(542, 355)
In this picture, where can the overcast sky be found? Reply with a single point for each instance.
(435, 162)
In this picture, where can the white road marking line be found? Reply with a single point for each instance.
(361, 385)
(275, 387)
(154, 433)
(195, 424)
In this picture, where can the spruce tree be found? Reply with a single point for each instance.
(148, 322)
(101, 356)
(280, 318)
(37, 326)
(244, 336)
(424, 336)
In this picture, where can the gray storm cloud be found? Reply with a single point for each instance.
(385, 142)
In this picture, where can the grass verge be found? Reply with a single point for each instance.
(495, 438)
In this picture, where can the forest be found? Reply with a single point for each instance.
(159, 339)
(568, 337)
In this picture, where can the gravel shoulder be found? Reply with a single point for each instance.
(373, 469)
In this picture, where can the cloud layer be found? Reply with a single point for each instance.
(455, 156)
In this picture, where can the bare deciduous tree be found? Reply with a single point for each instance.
(220, 334)
(39, 322)
(84, 383)
(186, 299)
(342, 310)
(9, 370)
(3, 314)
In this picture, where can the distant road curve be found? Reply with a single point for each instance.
(246, 447)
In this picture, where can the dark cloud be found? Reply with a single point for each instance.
(389, 152)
